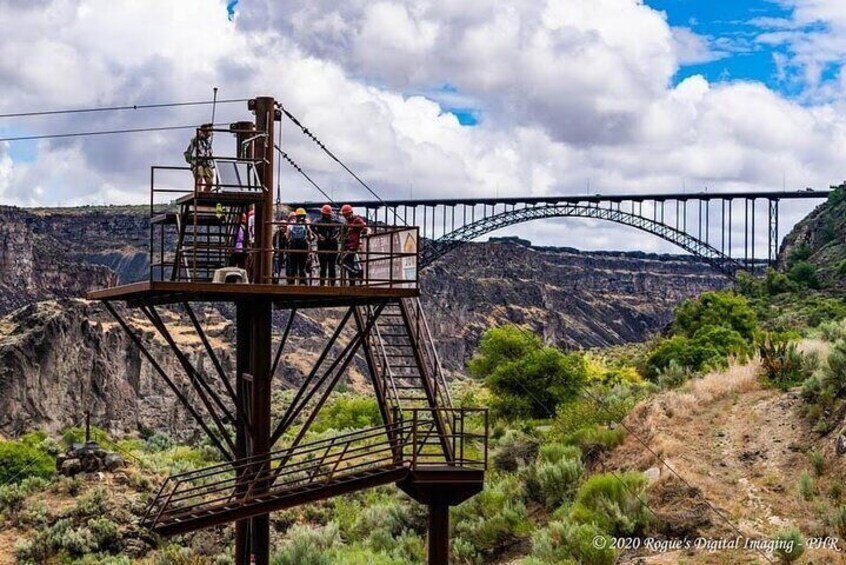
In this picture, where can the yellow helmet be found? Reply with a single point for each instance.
(300, 212)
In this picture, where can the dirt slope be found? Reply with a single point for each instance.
(742, 448)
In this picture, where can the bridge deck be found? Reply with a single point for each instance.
(817, 194)
(169, 292)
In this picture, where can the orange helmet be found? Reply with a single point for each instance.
(327, 209)
(346, 209)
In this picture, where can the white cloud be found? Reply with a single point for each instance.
(570, 93)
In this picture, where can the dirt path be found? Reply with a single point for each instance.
(744, 448)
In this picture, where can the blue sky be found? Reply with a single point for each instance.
(731, 27)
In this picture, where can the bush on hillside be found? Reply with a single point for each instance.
(804, 275)
(526, 378)
(718, 309)
(348, 412)
(19, 460)
(552, 483)
(782, 364)
(564, 541)
(789, 545)
(491, 520)
(304, 544)
(613, 502)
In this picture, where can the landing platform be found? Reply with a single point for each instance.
(170, 292)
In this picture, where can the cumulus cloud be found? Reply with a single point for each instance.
(571, 94)
(814, 37)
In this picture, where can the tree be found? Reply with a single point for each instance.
(526, 378)
(723, 309)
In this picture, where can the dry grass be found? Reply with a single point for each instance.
(695, 397)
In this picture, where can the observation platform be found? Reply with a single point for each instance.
(198, 235)
(283, 296)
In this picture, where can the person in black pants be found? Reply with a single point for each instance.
(299, 238)
(327, 230)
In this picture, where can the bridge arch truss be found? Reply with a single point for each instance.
(728, 230)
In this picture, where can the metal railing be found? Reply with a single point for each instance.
(386, 257)
(405, 444)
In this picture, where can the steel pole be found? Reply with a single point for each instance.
(438, 533)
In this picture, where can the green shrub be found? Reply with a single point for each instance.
(782, 364)
(806, 486)
(565, 541)
(804, 274)
(492, 519)
(308, 546)
(514, 450)
(348, 412)
(723, 309)
(12, 498)
(76, 434)
(18, 460)
(613, 503)
(817, 462)
(674, 375)
(526, 378)
(554, 452)
(832, 331)
(834, 372)
(594, 440)
(553, 483)
(105, 533)
(34, 515)
(694, 354)
(839, 520)
(790, 545)
(599, 409)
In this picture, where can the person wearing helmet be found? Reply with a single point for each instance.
(351, 234)
(299, 237)
(199, 156)
(327, 229)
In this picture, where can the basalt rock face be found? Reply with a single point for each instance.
(35, 264)
(572, 299)
(61, 357)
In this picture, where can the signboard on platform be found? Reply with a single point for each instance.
(391, 259)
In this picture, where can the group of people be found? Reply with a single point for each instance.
(297, 241)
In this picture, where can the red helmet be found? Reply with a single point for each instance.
(327, 209)
(346, 209)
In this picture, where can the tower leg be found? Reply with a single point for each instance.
(254, 323)
(438, 533)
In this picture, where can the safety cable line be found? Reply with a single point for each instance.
(599, 401)
(326, 150)
(303, 173)
(106, 132)
(119, 108)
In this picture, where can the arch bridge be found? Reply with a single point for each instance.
(722, 228)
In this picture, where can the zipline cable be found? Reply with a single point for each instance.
(106, 132)
(326, 150)
(120, 108)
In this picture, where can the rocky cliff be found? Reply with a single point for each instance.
(820, 239)
(59, 357)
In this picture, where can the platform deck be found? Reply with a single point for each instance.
(169, 292)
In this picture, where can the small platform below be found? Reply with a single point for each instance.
(170, 292)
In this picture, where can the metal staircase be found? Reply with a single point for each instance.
(310, 472)
(206, 238)
(407, 372)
